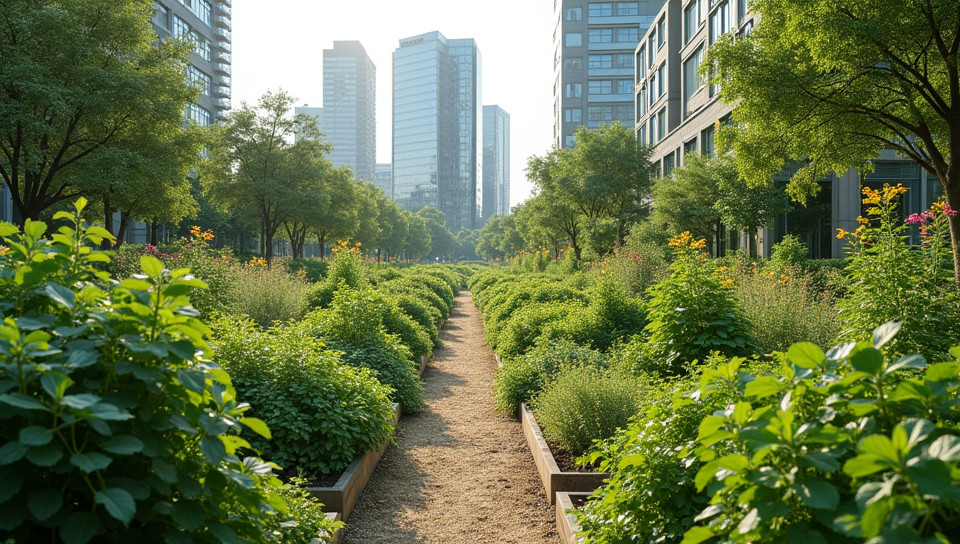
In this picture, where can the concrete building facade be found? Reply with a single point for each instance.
(437, 119)
(383, 178)
(594, 43)
(349, 104)
(496, 162)
(677, 113)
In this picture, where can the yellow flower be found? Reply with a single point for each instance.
(728, 282)
(357, 244)
(4, 250)
(841, 234)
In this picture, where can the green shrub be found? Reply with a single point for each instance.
(388, 361)
(609, 318)
(314, 270)
(535, 289)
(827, 277)
(785, 309)
(852, 445)
(637, 267)
(346, 270)
(114, 426)
(585, 404)
(324, 413)
(417, 289)
(435, 284)
(524, 376)
(453, 279)
(528, 323)
(307, 520)
(425, 315)
(692, 313)
(268, 295)
(410, 333)
(788, 254)
(890, 280)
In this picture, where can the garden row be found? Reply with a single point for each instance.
(704, 394)
(127, 412)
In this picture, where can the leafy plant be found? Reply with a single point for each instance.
(848, 444)
(267, 295)
(692, 313)
(115, 425)
(788, 254)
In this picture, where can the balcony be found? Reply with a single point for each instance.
(222, 21)
(222, 79)
(223, 33)
(223, 103)
(225, 8)
(225, 57)
(222, 68)
(221, 91)
(224, 46)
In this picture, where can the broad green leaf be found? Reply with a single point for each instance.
(869, 360)
(706, 475)
(81, 401)
(940, 372)
(914, 362)
(151, 266)
(884, 333)
(822, 460)
(118, 503)
(709, 512)
(194, 380)
(44, 503)
(875, 517)
(879, 445)
(764, 387)
(805, 355)
(123, 444)
(109, 412)
(931, 476)
(698, 534)
(46, 456)
(11, 452)
(60, 294)
(20, 400)
(79, 528)
(749, 522)
(257, 426)
(224, 533)
(188, 514)
(865, 465)
(955, 352)
(55, 384)
(233, 442)
(213, 449)
(817, 493)
(11, 480)
(916, 431)
(909, 390)
(945, 448)
(35, 435)
(733, 462)
(90, 462)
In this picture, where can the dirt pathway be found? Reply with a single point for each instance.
(460, 472)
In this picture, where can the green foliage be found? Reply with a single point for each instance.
(529, 322)
(610, 317)
(412, 287)
(892, 281)
(435, 284)
(849, 444)
(585, 404)
(422, 313)
(280, 372)
(522, 377)
(785, 309)
(267, 295)
(788, 253)
(692, 313)
(310, 520)
(346, 270)
(115, 424)
(636, 267)
(314, 270)
(388, 360)
(410, 333)
(685, 201)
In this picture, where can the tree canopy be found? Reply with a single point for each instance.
(831, 83)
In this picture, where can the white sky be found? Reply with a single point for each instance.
(280, 43)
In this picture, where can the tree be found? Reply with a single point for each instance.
(442, 242)
(744, 207)
(832, 83)
(255, 162)
(467, 244)
(342, 221)
(685, 200)
(82, 81)
(418, 240)
(551, 210)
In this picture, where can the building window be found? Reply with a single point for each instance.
(706, 142)
(661, 124)
(690, 146)
(198, 79)
(641, 63)
(574, 90)
(651, 47)
(201, 46)
(161, 17)
(661, 32)
(624, 61)
(570, 141)
(691, 78)
(600, 9)
(181, 30)
(572, 115)
(719, 22)
(202, 9)
(691, 21)
(642, 135)
(600, 86)
(628, 9)
(572, 64)
(669, 162)
(198, 115)
(741, 10)
(654, 85)
(623, 113)
(653, 129)
(601, 35)
(628, 35)
(573, 39)
(574, 14)
(600, 62)
(661, 80)
(624, 86)
(599, 114)
(641, 103)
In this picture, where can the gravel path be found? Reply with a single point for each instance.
(460, 472)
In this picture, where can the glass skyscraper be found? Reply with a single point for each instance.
(496, 162)
(349, 107)
(437, 119)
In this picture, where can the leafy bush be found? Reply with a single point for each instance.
(425, 315)
(308, 522)
(417, 289)
(346, 270)
(637, 268)
(610, 317)
(324, 413)
(692, 314)
(410, 333)
(788, 254)
(584, 404)
(435, 284)
(267, 295)
(387, 361)
(852, 444)
(314, 270)
(785, 309)
(524, 376)
(535, 289)
(114, 427)
(528, 323)
(892, 281)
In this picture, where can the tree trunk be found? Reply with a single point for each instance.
(154, 232)
(953, 200)
(321, 239)
(107, 220)
(122, 231)
(268, 246)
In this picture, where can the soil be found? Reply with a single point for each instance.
(567, 462)
(323, 480)
(460, 471)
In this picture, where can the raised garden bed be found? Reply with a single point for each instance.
(342, 496)
(337, 536)
(567, 526)
(424, 359)
(554, 480)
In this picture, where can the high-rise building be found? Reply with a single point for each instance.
(496, 162)
(349, 104)
(316, 113)
(593, 45)
(383, 178)
(677, 113)
(207, 24)
(437, 119)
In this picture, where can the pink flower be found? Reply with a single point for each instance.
(914, 219)
(948, 210)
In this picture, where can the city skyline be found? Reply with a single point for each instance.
(279, 46)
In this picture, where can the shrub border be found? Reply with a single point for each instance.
(567, 526)
(336, 537)
(343, 496)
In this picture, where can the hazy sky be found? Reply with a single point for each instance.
(280, 43)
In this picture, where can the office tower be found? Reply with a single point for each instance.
(316, 113)
(207, 24)
(349, 107)
(496, 162)
(383, 178)
(437, 118)
(594, 44)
